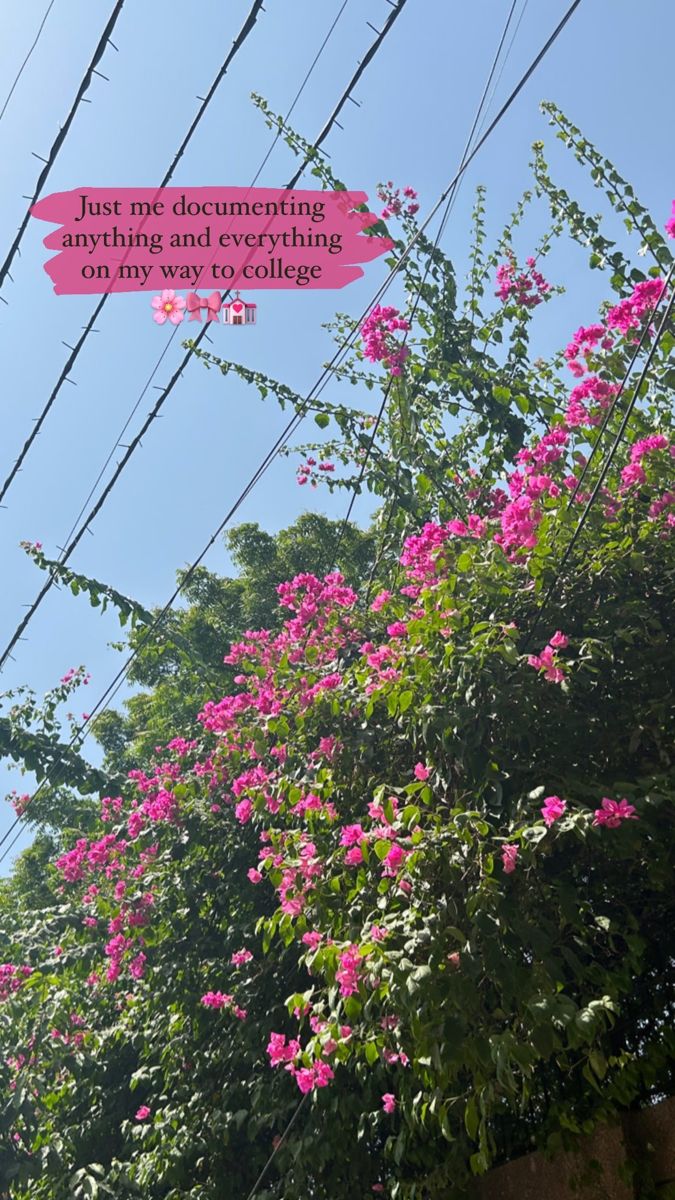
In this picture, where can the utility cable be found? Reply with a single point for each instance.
(129, 450)
(418, 296)
(116, 683)
(26, 59)
(257, 175)
(244, 32)
(62, 135)
(607, 462)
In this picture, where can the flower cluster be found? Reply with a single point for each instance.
(588, 400)
(584, 345)
(548, 661)
(396, 205)
(289, 1054)
(310, 471)
(612, 813)
(220, 1000)
(12, 978)
(527, 288)
(379, 342)
(627, 316)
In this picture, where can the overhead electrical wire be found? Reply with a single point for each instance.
(26, 59)
(174, 331)
(137, 440)
(62, 135)
(611, 452)
(103, 701)
(181, 642)
(448, 208)
(238, 42)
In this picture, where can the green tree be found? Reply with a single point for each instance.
(436, 820)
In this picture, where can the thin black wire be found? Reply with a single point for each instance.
(418, 296)
(26, 59)
(155, 411)
(277, 1148)
(117, 681)
(257, 175)
(608, 460)
(609, 413)
(179, 640)
(498, 80)
(238, 42)
(61, 135)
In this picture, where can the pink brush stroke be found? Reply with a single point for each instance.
(337, 269)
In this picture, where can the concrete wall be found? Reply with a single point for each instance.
(599, 1170)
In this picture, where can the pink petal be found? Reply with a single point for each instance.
(159, 316)
(175, 316)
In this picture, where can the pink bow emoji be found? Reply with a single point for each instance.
(195, 304)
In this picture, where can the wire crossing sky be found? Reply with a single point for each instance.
(164, 392)
(239, 41)
(448, 192)
(62, 135)
(415, 103)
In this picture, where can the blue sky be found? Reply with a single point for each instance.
(417, 99)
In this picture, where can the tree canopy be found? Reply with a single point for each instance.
(392, 901)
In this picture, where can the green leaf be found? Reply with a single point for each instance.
(471, 1118)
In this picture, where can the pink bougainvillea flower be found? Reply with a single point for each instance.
(559, 641)
(254, 875)
(240, 957)
(509, 856)
(552, 808)
(143, 1113)
(312, 939)
(612, 812)
(547, 662)
(389, 1102)
(670, 223)
(216, 1000)
(379, 341)
(168, 307)
(380, 600)
(394, 206)
(351, 835)
(527, 288)
(393, 860)
(243, 810)
(421, 772)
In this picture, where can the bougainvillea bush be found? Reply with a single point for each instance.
(403, 908)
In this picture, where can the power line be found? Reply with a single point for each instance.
(90, 326)
(25, 61)
(181, 642)
(277, 1147)
(609, 457)
(609, 413)
(418, 296)
(257, 175)
(164, 393)
(117, 681)
(347, 94)
(62, 135)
